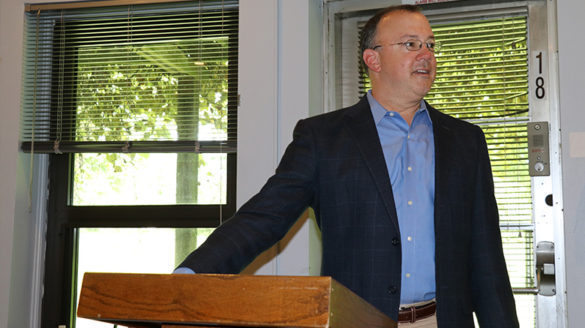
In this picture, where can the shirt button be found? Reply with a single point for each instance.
(409, 202)
(391, 114)
(408, 275)
(392, 290)
(410, 168)
(395, 241)
(409, 238)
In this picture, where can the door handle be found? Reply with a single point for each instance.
(545, 268)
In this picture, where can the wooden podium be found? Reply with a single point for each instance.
(203, 300)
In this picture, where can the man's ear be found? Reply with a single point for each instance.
(372, 59)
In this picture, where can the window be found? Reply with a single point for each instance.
(482, 77)
(136, 106)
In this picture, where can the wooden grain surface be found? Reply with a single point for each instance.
(158, 300)
(349, 310)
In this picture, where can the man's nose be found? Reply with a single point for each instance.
(425, 52)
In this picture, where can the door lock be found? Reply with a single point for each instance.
(538, 150)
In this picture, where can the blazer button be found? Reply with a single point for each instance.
(395, 241)
(392, 290)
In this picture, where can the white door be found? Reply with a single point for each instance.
(497, 69)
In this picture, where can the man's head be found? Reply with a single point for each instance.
(369, 31)
(395, 63)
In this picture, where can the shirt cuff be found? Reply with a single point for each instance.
(184, 270)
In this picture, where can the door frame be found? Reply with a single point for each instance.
(551, 311)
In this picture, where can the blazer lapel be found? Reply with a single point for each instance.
(360, 123)
(445, 160)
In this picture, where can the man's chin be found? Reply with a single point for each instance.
(422, 91)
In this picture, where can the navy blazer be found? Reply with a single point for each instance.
(335, 165)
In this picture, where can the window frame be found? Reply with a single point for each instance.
(63, 221)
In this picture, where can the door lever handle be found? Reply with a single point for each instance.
(545, 268)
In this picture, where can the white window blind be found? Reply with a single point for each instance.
(136, 78)
(482, 77)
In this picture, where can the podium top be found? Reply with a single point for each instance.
(203, 300)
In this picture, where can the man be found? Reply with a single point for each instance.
(402, 193)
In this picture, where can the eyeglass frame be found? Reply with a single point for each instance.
(436, 46)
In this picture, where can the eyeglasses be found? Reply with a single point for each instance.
(415, 45)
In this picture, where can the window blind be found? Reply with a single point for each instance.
(134, 78)
(482, 77)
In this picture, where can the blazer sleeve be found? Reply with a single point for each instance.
(266, 217)
(492, 295)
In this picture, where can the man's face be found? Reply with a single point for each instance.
(406, 73)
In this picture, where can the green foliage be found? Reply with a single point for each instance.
(482, 69)
(127, 93)
(147, 92)
(164, 91)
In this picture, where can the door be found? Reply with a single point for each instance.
(495, 70)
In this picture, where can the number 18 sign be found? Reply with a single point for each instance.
(539, 74)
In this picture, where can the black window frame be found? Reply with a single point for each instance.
(64, 219)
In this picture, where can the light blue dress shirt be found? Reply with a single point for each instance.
(409, 152)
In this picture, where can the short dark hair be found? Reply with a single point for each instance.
(369, 31)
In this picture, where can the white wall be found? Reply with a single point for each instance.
(280, 83)
(11, 13)
(572, 87)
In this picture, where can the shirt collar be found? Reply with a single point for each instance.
(378, 111)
